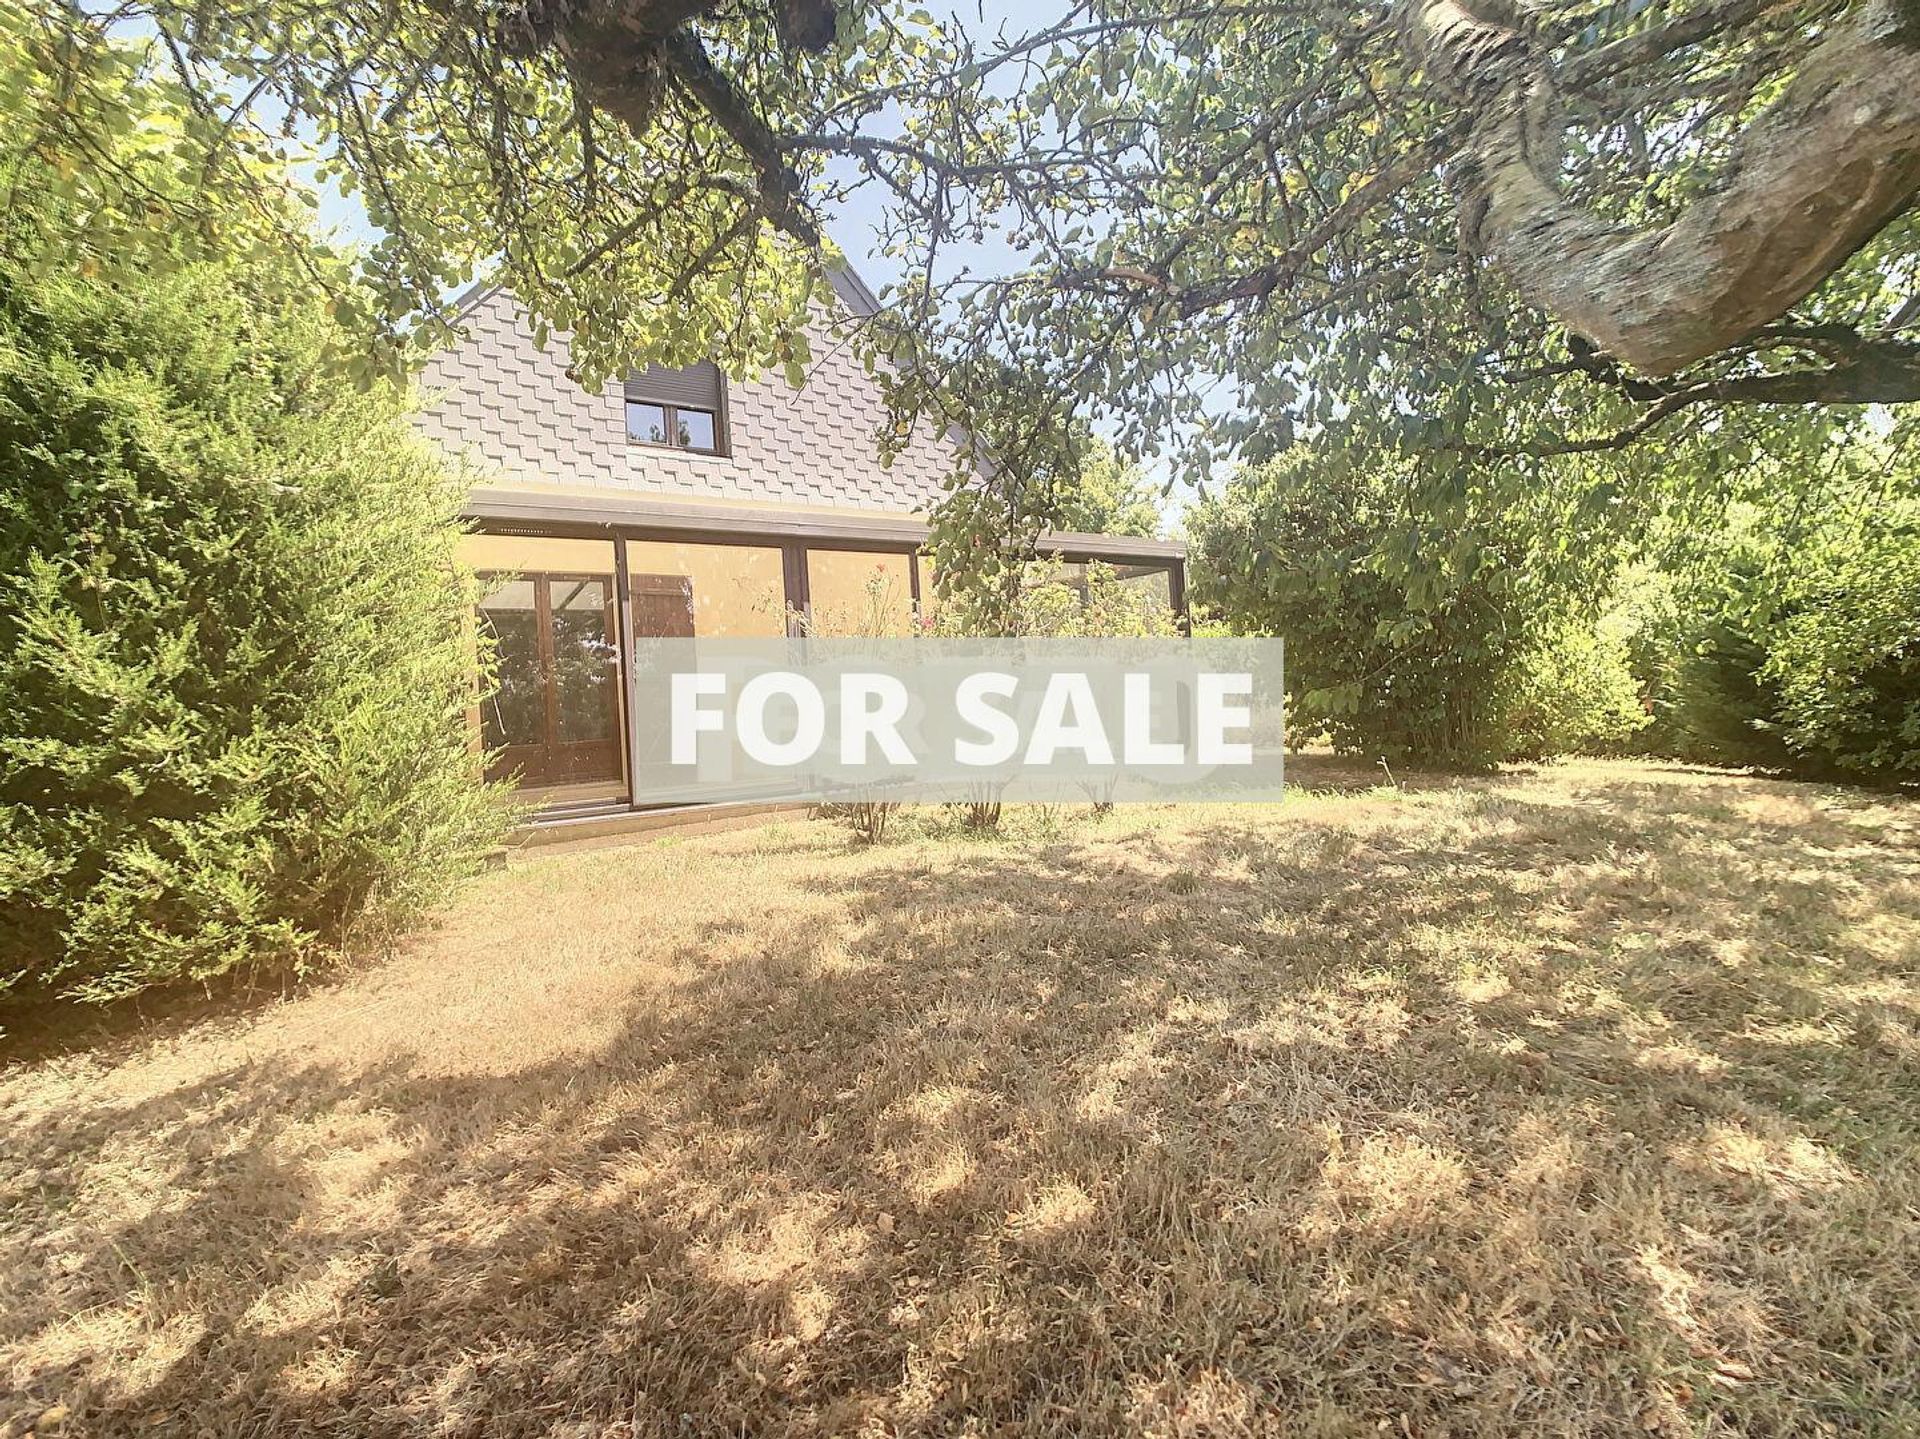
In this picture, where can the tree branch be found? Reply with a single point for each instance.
(1811, 179)
(1632, 51)
(620, 55)
(1885, 372)
(781, 197)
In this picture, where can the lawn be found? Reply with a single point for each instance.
(1584, 1101)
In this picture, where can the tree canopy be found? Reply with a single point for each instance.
(1502, 229)
(1113, 496)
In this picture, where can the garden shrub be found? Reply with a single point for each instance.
(1644, 611)
(1574, 693)
(1453, 646)
(1843, 658)
(1706, 670)
(1799, 654)
(1383, 668)
(1710, 700)
(235, 655)
(1724, 709)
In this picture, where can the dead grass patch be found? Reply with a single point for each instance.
(1581, 1102)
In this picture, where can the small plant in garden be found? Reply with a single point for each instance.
(982, 814)
(1100, 796)
(867, 819)
(871, 616)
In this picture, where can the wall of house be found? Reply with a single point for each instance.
(510, 408)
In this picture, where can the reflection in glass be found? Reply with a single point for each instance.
(676, 426)
(859, 593)
(515, 713)
(712, 591)
(553, 721)
(1154, 583)
(585, 662)
(696, 429)
(647, 423)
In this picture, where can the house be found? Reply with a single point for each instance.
(679, 504)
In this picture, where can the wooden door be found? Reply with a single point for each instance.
(662, 607)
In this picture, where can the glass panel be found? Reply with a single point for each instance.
(697, 429)
(929, 595)
(586, 666)
(555, 719)
(515, 713)
(662, 606)
(647, 423)
(528, 554)
(1072, 574)
(1151, 582)
(714, 591)
(859, 592)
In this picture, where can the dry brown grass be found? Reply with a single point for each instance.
(1578, 1103)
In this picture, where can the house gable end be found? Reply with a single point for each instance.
(496, 398)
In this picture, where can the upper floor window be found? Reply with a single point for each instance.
(681, 409)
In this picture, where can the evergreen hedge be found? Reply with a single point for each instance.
(235, 652)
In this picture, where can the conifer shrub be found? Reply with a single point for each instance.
(235, 650)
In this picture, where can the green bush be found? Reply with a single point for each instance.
(1574, 693)
(1385, 668)
(1843, 658)
(1799, 654)
(1712, 702)
(1723, 709)
(235, 658)
(1454, 645)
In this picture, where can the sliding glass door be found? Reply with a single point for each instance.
(556, 720)
(684, 589)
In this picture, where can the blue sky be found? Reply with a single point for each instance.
(855, 227)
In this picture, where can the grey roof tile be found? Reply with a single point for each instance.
(515, 408)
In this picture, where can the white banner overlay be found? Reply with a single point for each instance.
(936, 720)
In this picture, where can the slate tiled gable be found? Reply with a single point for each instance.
(510, 407)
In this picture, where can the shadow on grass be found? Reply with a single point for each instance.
(1587, 1116)
(42, 1029)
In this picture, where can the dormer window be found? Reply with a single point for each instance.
(682, 409)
